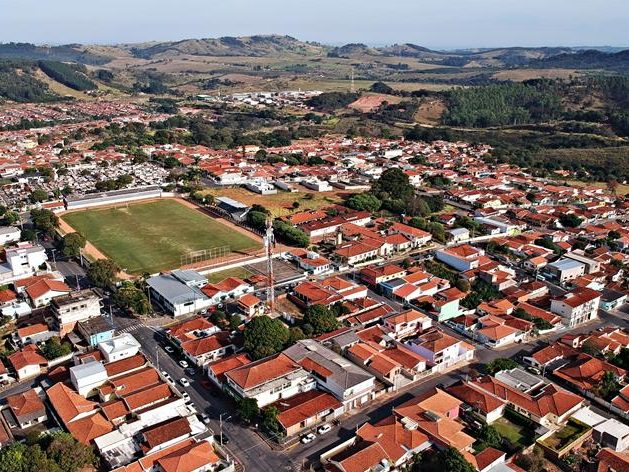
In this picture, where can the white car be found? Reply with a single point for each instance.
(184, 381)
(183, 364)
(185, 396)
(169, 349)
(324, 429)
(167, 376)
(308, 438)
(205, 418)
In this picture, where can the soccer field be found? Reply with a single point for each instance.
(149, 237)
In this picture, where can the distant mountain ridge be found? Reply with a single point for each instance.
(281, 45)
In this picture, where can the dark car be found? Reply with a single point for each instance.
(217, 438)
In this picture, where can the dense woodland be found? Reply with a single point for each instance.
(18, 84)
(71, 75)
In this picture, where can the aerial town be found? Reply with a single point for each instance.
(260, 253)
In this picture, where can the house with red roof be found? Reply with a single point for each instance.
(203, 350)
(577, 306)
(306, 410)
(27, 408)
(27, 362)
(43, 291)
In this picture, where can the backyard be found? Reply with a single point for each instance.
(150, 237)
(516, 432)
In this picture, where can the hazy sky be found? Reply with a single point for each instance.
(432, 23)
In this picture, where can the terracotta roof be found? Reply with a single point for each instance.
(249, 300)
(23, 404)
(365, 459)
(180, 330)
(135, 381)
(262, 371)
(475, 397)
(303, 406)
(394, 438)
(42, 287)
(166, 431)
(200, 346)
(32, 329)
(190, 458)
(221, 366)
(25, 357)
(125, 365)
(67, 403)
(115, 409)
(147, 396)
(7, 295)
(609, 460)
(87, 429)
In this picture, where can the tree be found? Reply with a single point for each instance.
(363, 202)
(11, 217)
(38, 195)
(499, 364)
(53, 348)
(609, 385)
(129, 297)
(418, 206)
(218, 317)
(463, 285)
(72, 244)
(533, 462)
(446, 460)
(393, 182)
(44, 220)
(489, 437)
(248, 409)
(234, 322)
(290, 235)
(295, 204)
(321, 318)
(13, 458)
(102, 272)
(70, 454)
(295, 334)
(264, 337)
(570, 220)
(270, 422)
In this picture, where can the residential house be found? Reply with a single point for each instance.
(27, 362)
(203, 350)
(461, 258)
(306, 410)
(440, 349)
(75, 307)
(269, 380)
(612, 434)
(577, 306)
(349, 383)
(216, 370)
(406, 324)
(27, 408)
(42, 292)
(95, 330)
(484, 405)
(119, 347)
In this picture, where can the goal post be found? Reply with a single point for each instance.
(212, 254)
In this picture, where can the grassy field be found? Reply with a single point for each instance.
(238, 272)
(280, 204)
(515, 433)
(150, 237)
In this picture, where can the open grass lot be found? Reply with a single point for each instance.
(149, 237)
(572, 431)
(515, 433)
(238, 272)
(280, 204)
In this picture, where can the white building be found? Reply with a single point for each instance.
(613, 434)
(9, 234)
(577, 307)
(462, 258)
(77, 306)
(87, 377)
(26, 259)
(119, 347)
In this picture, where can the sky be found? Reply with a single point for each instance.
(439, 24)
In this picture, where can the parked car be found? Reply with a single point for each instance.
(184, 381)
(308, 438)
(534, 370)
(221, 439)
(169, 349)
(205, 418)
(185, 396)
(324, 429)
(183, 364)
(167, 376)
(191, 371)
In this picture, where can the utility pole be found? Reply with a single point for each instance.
(269, 244)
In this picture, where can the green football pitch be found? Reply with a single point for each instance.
(150, 237)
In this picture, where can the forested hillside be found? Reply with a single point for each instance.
(17, 83)
(71, 75)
